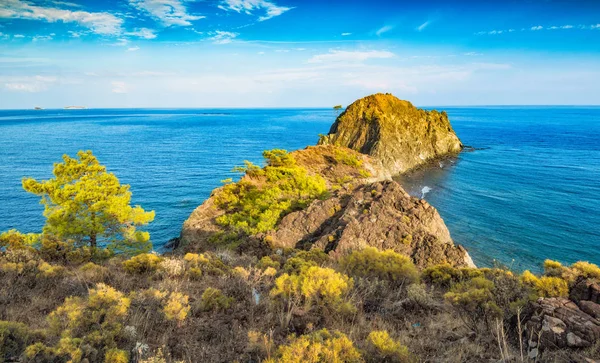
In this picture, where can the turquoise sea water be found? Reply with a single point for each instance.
(530, 190)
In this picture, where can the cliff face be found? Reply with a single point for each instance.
(394, 131)
(380, 215)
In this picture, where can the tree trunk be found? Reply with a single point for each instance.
(93, 241)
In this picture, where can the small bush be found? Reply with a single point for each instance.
(445, 275)
(48, 271)
(586, 269)
(143, 263)
(116, 356)
(173, 267)
(15, 240)
(93, 272)
(198, 264)
(267, 262)
(384, 265)
(475, 300)
(314, 285)
(177, 307)
(548, 286)
(386, 349)
(214, 300)
(320, 346)
(14, 338)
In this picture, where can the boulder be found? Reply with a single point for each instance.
(394, 132)
(381, 215)
(560, 323)
(585, 289)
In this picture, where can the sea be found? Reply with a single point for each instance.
(527, 189)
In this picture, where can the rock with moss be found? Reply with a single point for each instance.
(393, 131)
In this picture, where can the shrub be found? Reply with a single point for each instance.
(384, 265)
(305, 259)
(47, 270)
(14, 338)
(267, 262)
(173, 267)
(197, 264)
(95, 321)
(177, 307)
(446, 275)
(586, 269)
(214, 300)
(314, 285)
(475, 300)
(548, 286)
(15, 240)
(116, 356)
(92, 272)
(143, 263)
(257, 202)
(386, 349)
(320, 346)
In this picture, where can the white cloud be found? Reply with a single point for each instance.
(384, 29)
(119, 87)
(539, 27)
(143, 33)
(18, 36)
(169, 12)
(100, 22)
(223, 37)
(423, 26)
(350, 56)
(133, 49)
(38, 38)
(596, 26)
(346, 34)
(30, 84)
(270, 9)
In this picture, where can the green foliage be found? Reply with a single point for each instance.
(266, 262)
(199, 264)
(313, 286)
(384, 265)
(86, 325)
(214, 300)
(546, 286)
(475, 300)
(14, 338)
(87, 205)
(257, 202)
(446, 275)
(386, 349)
(318, 347)
(15, 240)
(144, 263)
(305, 259)
(347, 157)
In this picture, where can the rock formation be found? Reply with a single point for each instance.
(393, 131)
(373, 139)
(381, 215)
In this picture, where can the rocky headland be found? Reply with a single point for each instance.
(374, 139)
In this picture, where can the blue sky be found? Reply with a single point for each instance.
(290, 53)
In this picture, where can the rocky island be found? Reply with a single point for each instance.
(315, 256)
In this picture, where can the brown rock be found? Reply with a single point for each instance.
(381, 215)
(585, 289)
(393, 131)
(591, 308)
(559, 323)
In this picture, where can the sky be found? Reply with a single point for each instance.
(297, 53)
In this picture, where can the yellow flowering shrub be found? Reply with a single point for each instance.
(475, 300)
(320, 346)
(15, 240)
(177, 307)
(197, 264)
(142, 263)
(386, 349)
(586, 269)
(314, 285)
(446, 275)
(266, 262)
(384, 265)
(96, 321)
(546, 286)
(116, 356)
